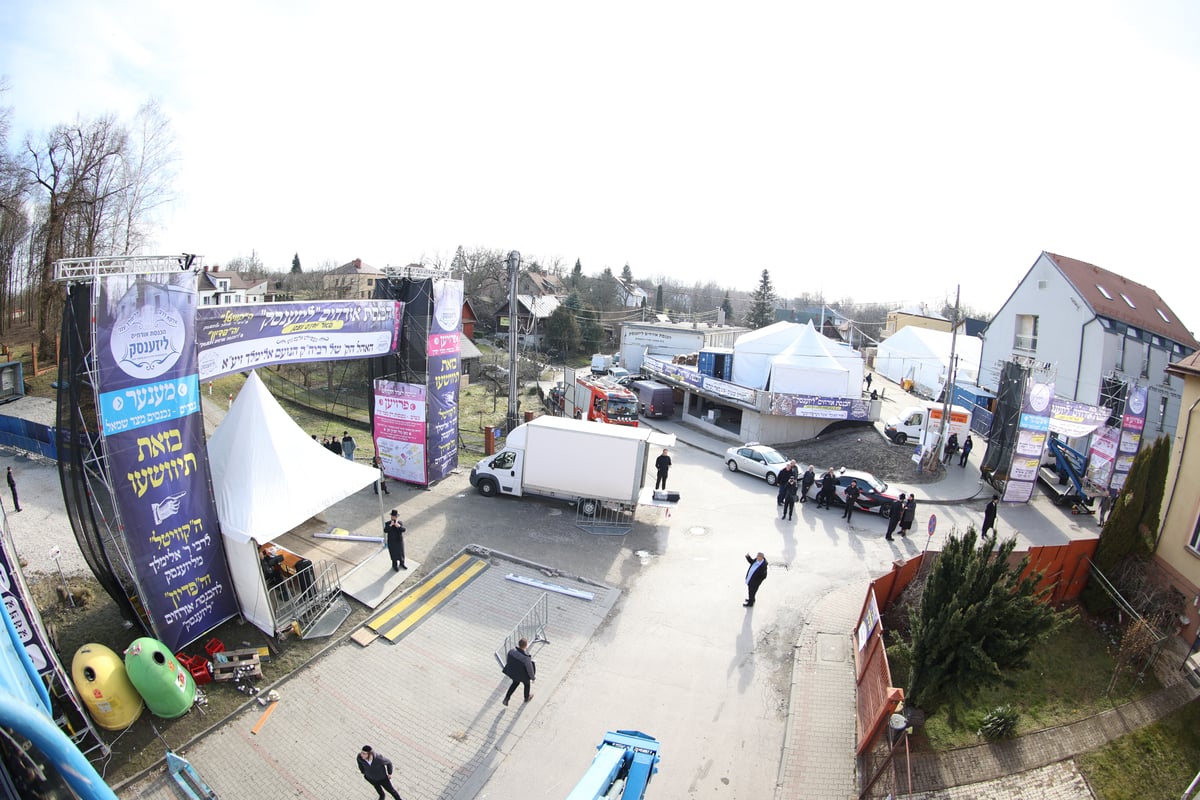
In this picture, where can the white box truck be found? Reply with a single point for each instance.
(570, 459)
(913, 422)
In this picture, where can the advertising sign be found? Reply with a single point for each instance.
(1032, 430)
(1072, 420)
(400, 430)
(1132, 423)
(445, 369)
(157, 459)
(812, 406)
(239, 338)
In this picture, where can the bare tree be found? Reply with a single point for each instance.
(149, 170)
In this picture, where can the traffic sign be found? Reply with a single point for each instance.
(932, 523)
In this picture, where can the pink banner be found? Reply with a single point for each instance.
(400, 430)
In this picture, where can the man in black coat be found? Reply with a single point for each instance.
(806, 483)
(910, 514)
(520, 667)
(827, 493)
(755, 575)
(394, 530)
(989, 515)
(789, 471)
(663, 465)
(852, 493)
(895, 512)
(377, 770)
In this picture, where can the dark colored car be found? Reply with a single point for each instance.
(874, 495)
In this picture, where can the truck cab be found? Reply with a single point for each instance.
(914, 423)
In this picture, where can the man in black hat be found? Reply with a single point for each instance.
(377, 771)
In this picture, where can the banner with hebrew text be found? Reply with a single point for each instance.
(157, 458)
(240, 338)
(445, 368)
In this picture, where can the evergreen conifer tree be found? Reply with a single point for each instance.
(762, 303)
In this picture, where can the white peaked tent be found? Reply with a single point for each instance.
(813, 364)
(923, 356)
(268, 477)
(753, 352)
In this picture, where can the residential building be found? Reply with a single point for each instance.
(532, 313)
(919, 315)
(1178, 550)
(351, 281)
(220, 288)
(1096, 333)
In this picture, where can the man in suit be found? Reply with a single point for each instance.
(755, 575)
(827, 493)
(520, 668)
(895, 512)
(852, 493)
(909, 516)
(377, 771)
(989, 515)
(663, 465)
(393, 531)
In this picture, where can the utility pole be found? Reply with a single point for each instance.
(514, 411)
(948, 392)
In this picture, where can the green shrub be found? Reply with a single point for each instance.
(1000, 723)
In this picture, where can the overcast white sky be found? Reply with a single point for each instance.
(875, 151)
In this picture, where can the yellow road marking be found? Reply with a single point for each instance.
(418, 614)
(412, 597)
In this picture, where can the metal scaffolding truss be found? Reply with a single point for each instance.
(91, 268)
(415, 272)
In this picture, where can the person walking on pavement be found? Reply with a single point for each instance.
(951, 448)
(755, 575)
(12, 487)
(348, 445)
(789, 498)
(806, 483)
(910, 514)
(966, 451)
(377, 771)
(382, 482)
(989, 515)
(895, 512)
(394, 530)
(852, 493)
(663, 465)
(1105, 507)
(825, 496)
(789, 471)
(520, 668)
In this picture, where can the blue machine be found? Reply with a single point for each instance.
(626, 761)
(1069, 466)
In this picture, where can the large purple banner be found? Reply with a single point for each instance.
(157, 458)
(1032, 431)
(1132, 424)
(239, 338)
(445, 366)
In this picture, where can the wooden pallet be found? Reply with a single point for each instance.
(232, 664)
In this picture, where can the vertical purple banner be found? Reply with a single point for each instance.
(400, 430)
(445, 367)
(157, 458)
(1133, 421)
(1032, 431)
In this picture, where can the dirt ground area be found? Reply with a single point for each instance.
(858, 446)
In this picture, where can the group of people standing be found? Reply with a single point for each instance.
(952, 449)
(901, 513)
(794, 487)
(343, 447)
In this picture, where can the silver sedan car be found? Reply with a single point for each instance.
(756, 459)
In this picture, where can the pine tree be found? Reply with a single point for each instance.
(762, 303)
(626, 275)
(977, 622)
(658, 305)
(576, 275)
(296, 264)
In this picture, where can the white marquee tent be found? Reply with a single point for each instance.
(269, 476)
(923, 356)
(796, 359)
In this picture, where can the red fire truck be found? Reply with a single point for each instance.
(603, 400)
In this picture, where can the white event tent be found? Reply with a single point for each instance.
(923, 356)
(796, 359)
(269, 476)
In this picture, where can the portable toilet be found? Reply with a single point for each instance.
(100, 679)
(168, 689)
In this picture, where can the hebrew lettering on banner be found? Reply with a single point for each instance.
(27, 621)
(239, 338)
(1133, 421)
(1032, 431)
(400, 430)
(445, 368)
(157, 457)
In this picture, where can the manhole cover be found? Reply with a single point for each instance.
(831, 647)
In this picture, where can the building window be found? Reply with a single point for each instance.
(1026, 333)
(1194, 544)
(1162, 412)
(1146, 362)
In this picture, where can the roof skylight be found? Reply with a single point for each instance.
(1128, 302)
(1104, 292)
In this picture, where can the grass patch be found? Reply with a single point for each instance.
(1065, 682)
(1156, 761)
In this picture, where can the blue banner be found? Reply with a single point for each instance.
(157, 457)
(239, 338)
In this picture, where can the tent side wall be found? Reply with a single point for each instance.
(246, 571)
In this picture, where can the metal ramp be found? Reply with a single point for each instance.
(187, 780)
(330, 620)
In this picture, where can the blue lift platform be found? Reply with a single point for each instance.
(625, 763)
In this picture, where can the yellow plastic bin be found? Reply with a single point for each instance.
(168, 689)
(100, 679)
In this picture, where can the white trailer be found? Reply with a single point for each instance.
(583, 462)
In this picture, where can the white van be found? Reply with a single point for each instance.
(912, 423)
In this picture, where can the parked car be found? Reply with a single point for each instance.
(756, 459)
(874, 497)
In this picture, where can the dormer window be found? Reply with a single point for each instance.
(1104, 292)
(1128, 302)
(1164, 316)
